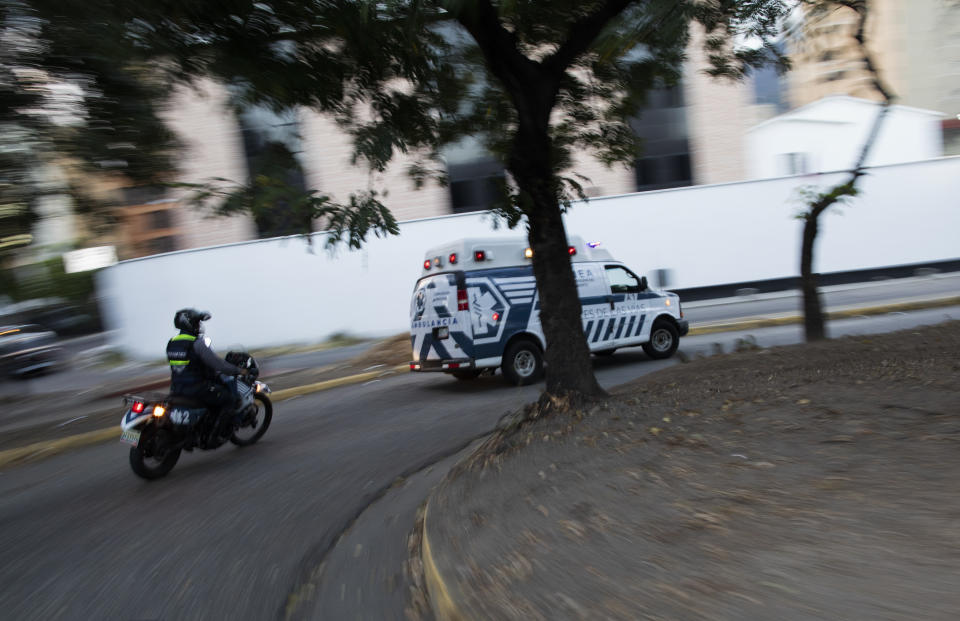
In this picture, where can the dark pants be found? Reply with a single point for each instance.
(214, 395)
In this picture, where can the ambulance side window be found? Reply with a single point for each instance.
(622, 280)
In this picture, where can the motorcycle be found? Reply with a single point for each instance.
(158, 426)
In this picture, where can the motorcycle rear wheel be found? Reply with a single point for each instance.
(258, 421)
(153, 458)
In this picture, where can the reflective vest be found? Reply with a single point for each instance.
(186, 369)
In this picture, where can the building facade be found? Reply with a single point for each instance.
(827, 136)
(692, 133)
(915, 46)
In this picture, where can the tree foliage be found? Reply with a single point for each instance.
(77, 97)
(533, 81)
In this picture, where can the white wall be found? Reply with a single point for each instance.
(275, 291)
(831, 133)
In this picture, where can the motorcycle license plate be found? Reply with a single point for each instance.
(130, 436)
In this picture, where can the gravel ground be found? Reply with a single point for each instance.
(805, 482)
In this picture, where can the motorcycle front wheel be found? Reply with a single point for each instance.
(154, 456)
(255, 422)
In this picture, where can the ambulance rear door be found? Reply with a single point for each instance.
(440, 325)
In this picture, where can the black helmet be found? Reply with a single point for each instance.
(188, 320)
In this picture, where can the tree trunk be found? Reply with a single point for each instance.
(569, 370)
(813, 323)
(813, 320)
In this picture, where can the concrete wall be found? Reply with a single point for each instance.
(277, 291)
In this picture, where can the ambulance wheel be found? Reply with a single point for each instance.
(664, 340)
(522, 363)
(605, 352)
(468, 374)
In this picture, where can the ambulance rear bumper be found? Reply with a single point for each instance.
(443, 366)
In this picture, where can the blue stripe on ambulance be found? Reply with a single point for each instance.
(630, 325)
(596, 335)
(623, 322)
(610, 327)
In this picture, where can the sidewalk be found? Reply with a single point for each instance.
(805, 482)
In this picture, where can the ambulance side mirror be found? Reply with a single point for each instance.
(643, 283)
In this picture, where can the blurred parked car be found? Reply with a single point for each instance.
(64, 317)
(28, 349)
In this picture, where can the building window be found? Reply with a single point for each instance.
(157, 245)
(144, 195)
(794, 163)
(662, 126)
(160, 219)
(271, 145)
(663, 171)
(476, 178)
(475, 186)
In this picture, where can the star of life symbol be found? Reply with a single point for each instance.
(481, 311)
(420, 301)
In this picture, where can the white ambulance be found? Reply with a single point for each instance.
(476, 308)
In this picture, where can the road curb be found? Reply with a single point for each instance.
(438, 593)
(296, 391)
(846, 313)
(49, 448)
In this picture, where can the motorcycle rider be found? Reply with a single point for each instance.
(194, 368)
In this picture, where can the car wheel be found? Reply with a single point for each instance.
(522, 363)
(664, 340)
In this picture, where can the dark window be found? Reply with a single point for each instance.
(162, 244)
(678, 168)
(662, 125)
(476, 185)
(160, 219)
(143, 195)
(646, 171)
(270, 144)
(664, 171)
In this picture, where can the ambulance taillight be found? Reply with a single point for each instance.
(462, 300)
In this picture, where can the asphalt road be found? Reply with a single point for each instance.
(837, 297)
(82, 373)
(245, 533)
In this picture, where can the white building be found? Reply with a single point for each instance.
(828, 135)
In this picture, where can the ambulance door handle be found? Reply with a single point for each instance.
(610, 299)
